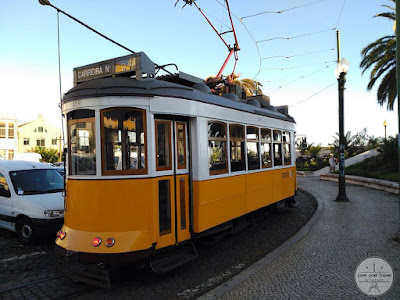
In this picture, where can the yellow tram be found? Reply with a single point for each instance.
(154, 162)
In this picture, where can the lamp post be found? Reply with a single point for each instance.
(384, 124)
(341, 71)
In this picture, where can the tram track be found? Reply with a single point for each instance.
(69, 290)
(33, 277)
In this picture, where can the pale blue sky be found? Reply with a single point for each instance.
(168, 34)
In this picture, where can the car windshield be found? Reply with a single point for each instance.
(38, 181)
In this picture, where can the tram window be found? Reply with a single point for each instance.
(82, 145)
(236, 137)
(277, 141)
(163, 145)
(182, 197)
(253, 158)
(266, 148)
(286, 148)
(164, 206)
(217, 140)
(124, 141)
(181, 144)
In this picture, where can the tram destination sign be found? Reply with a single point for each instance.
(134, 64)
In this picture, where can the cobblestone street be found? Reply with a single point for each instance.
(27, 272)
(322, 264)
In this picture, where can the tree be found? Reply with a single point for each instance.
(48, 155)
(250, 86)
(381, 57)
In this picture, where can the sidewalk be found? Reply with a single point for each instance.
(322, 263)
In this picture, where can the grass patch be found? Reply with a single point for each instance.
(376, 167)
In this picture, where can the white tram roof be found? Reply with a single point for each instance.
(113, 78)
(125, 86)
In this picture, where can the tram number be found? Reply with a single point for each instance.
(76, 103)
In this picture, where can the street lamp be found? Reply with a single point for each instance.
(384, 124)
(341, 71)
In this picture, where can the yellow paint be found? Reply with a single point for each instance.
(128, 209)
(219, 200)
(81, 241)
(109, 207)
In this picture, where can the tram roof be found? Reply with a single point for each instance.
(125, 86)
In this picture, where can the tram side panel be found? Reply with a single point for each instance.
(225, 197)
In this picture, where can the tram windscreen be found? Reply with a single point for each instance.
(124, 139)
(82, 142)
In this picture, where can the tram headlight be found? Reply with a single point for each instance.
(53, 213)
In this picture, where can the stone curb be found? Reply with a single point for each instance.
(262, 263)
(378, 184)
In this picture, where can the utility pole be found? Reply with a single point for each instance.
(341, 81)
(398, 89)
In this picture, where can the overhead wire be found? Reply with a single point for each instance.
(319, 92)
(302, 77)
(281, 11)
(288, 38)
(340, 14)
(296, 36)
(297, 55)
(297, 67)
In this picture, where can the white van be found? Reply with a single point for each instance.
(31, 201)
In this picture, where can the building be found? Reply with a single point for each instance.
(8, 136)
(38, 133)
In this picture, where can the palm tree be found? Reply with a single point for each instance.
(250, 86)
(381, 57)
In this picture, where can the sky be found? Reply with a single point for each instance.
(292, 53)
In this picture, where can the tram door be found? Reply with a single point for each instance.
(172, 165)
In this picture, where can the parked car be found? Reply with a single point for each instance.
(31, 201)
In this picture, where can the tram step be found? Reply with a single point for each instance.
(170, 260)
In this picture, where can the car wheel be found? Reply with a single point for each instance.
(25, 230)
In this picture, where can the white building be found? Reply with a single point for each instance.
(8, 136)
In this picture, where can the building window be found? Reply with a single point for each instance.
(2, 130)
(253, 158)
(54, 142)
(287, 154)
(217, 139)
(26, 141)
(266, 148)
(124, 141)
(3, 153)
(40, 142)
(10, 154)
(237, 141)
(277, 148)
(10, 130)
